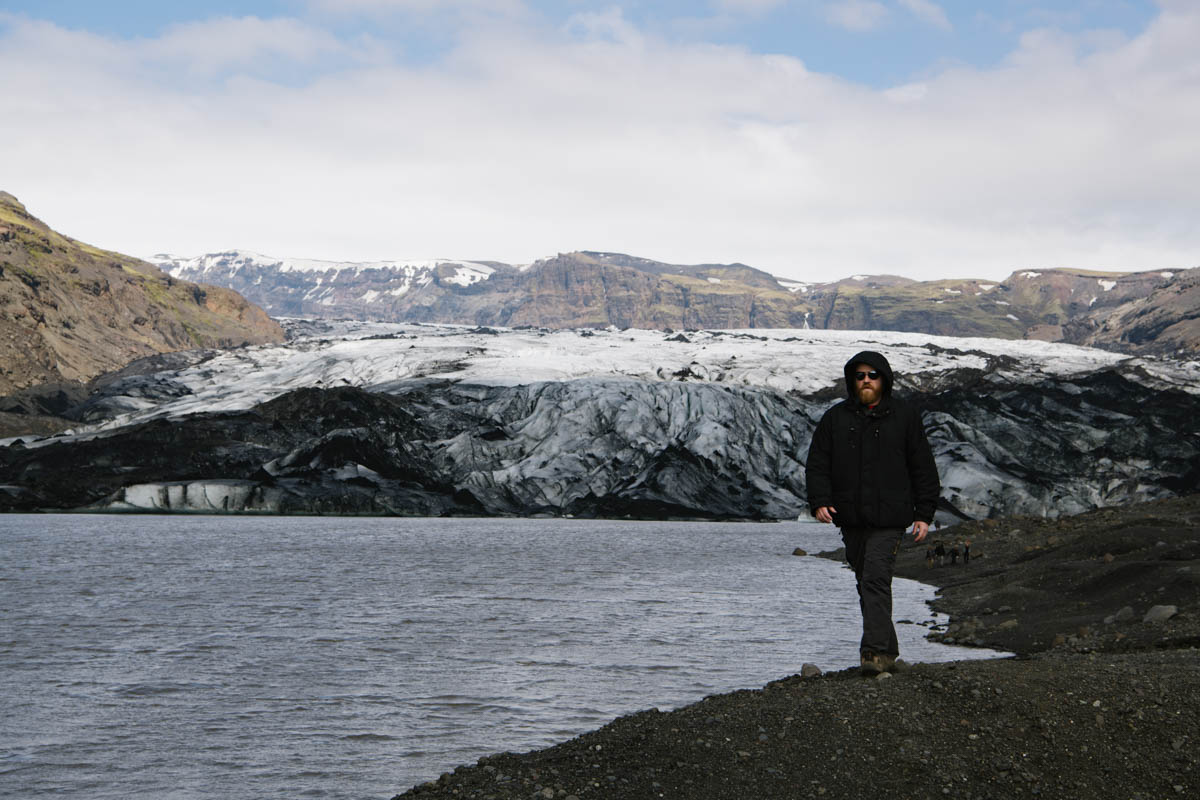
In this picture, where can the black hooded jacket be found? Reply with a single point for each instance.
(873, 465)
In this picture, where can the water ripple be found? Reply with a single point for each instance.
(233, 657)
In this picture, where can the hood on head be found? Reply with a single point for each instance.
(877, 361)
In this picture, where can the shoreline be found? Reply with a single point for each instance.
(1096, 701)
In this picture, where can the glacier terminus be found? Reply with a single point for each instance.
(420, 419)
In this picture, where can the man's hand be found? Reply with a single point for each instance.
(920, 529)
(825, 513)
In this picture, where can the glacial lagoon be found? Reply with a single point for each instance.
(333, 657)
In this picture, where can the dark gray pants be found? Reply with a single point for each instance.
(871, 553)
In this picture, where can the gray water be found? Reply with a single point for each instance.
(251, 657)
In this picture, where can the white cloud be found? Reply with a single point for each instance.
(908, 93)
(609, 24)
(856, 15)
(213, 45)
(929, 12)
(747, 6)
(525, 142)
(418, 6)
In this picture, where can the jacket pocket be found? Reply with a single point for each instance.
(895, 508)
(847, 512)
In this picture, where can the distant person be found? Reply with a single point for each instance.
(939, 550)
(966, 552)
(954, 554)
(871, 472)
(929, 557)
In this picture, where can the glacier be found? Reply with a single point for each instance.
(381, 418)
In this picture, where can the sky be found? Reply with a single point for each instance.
(814, 139)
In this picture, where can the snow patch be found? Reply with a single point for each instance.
(232, 261)
(467, 274)
(714, 280)
(1107, 285)
(948, 290)
(1031, 274)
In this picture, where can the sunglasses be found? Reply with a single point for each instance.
(873, 375)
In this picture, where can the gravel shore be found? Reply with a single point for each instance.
(1102, 699)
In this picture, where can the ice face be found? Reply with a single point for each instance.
(536, 419)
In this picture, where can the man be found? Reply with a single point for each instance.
(870, 471)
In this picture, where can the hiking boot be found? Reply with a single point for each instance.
(872, 664)
(888, 663)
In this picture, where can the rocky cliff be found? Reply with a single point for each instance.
(70, 311)
(1143, 312)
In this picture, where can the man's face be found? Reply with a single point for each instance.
(868, 390)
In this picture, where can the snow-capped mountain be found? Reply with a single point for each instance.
(418, 419)
(307, 287)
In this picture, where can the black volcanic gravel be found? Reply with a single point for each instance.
(1097, 704)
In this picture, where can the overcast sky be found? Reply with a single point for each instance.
(814, 139)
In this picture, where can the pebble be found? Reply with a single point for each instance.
(1160, 613)
(1124, 615)
(810, 671)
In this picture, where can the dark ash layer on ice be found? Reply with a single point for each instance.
(1110, 712)
(602, 447)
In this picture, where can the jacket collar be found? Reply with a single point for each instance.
(881, 409)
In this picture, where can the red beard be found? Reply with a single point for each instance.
(868, 395)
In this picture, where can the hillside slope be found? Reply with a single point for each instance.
(70, 311)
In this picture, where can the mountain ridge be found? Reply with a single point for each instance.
(1147, 312)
